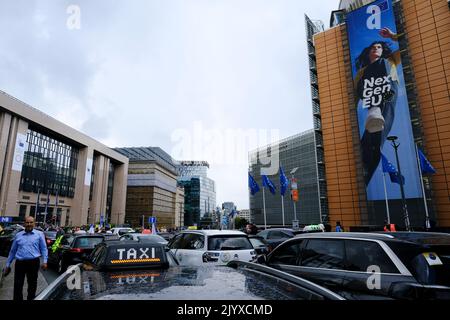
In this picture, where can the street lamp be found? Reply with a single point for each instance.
(295, 209)
(395, 145)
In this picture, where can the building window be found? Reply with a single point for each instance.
(50, 166)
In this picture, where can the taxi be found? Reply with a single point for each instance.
(130, 270)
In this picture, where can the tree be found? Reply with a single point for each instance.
(240, 223)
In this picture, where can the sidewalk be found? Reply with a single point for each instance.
(7, 290)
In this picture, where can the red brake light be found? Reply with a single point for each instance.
(77, 250)
(48, 241)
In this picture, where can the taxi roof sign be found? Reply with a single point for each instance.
(133, 254)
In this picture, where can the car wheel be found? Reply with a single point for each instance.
(61, 266)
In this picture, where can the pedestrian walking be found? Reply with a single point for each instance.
(339, 228)
(27, 249)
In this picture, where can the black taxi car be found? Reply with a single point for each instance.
(397, 265)
(130, 270)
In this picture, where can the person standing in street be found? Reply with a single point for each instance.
(27, 249)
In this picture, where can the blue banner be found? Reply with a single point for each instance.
(380, 98)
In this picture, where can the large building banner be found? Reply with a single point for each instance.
(380, 99)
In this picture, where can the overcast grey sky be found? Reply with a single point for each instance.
(184, 75)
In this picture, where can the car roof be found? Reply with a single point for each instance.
(215, 232)
(353, 235)
(277, 229)
(199, 283)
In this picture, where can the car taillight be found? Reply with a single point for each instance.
(77, 250)
(48, 241)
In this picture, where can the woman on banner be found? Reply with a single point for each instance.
(376, 85)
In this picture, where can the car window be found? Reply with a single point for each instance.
(362, 254)
(176, 242)
(94, 258)
(323, 253)
(87, 242)
(286, 254)
(256, 242)
(263, 234)
(193, 241)
(229, 243)
(277, 235)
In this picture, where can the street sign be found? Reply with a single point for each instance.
(151, 220)
(6, 219)
(295, 225)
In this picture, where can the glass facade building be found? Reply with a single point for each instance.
(49, 167)
(199, 193)
(298, 151)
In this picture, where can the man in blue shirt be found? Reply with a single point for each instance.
(27, 248)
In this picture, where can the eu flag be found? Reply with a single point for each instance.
(254, 188)
(425, 165)
(284, 182)
(269, 184)
(392, 170)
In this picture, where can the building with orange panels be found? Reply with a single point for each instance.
(414, 85)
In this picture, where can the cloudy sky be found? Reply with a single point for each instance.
(202, 79)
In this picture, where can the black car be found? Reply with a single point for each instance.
(125, 270)
(6, 239)
(73, 249)
(276, 236)
(397, 265)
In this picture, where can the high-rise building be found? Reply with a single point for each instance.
(362, 96)
(199, 193)
(295, 154)
(245, 214)
(56, 173)
(152, 188)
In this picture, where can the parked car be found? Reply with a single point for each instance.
(166, 235)
(7, 237)
(73, 249)
(196, 247)
(116, 272)
(398, 265)
(144, 237)
(276, 236)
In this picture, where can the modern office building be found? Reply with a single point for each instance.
(54, 172)
(296, 153)
(411, 80)
(245, 214)
(199, 193)
(152, 188)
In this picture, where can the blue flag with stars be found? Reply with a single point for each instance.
(254, 188)
(269, 184)
(392, 170)
(284, 182)
(425, 165)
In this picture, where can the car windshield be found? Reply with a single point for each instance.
(87, 242)
(229, 242)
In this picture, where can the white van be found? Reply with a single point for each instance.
(218, 247)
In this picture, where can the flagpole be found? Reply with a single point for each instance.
(264, 209)
(282, 208)
(427, 217)
(385, 197)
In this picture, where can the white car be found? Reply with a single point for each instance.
(199, 247)
(121, 231)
